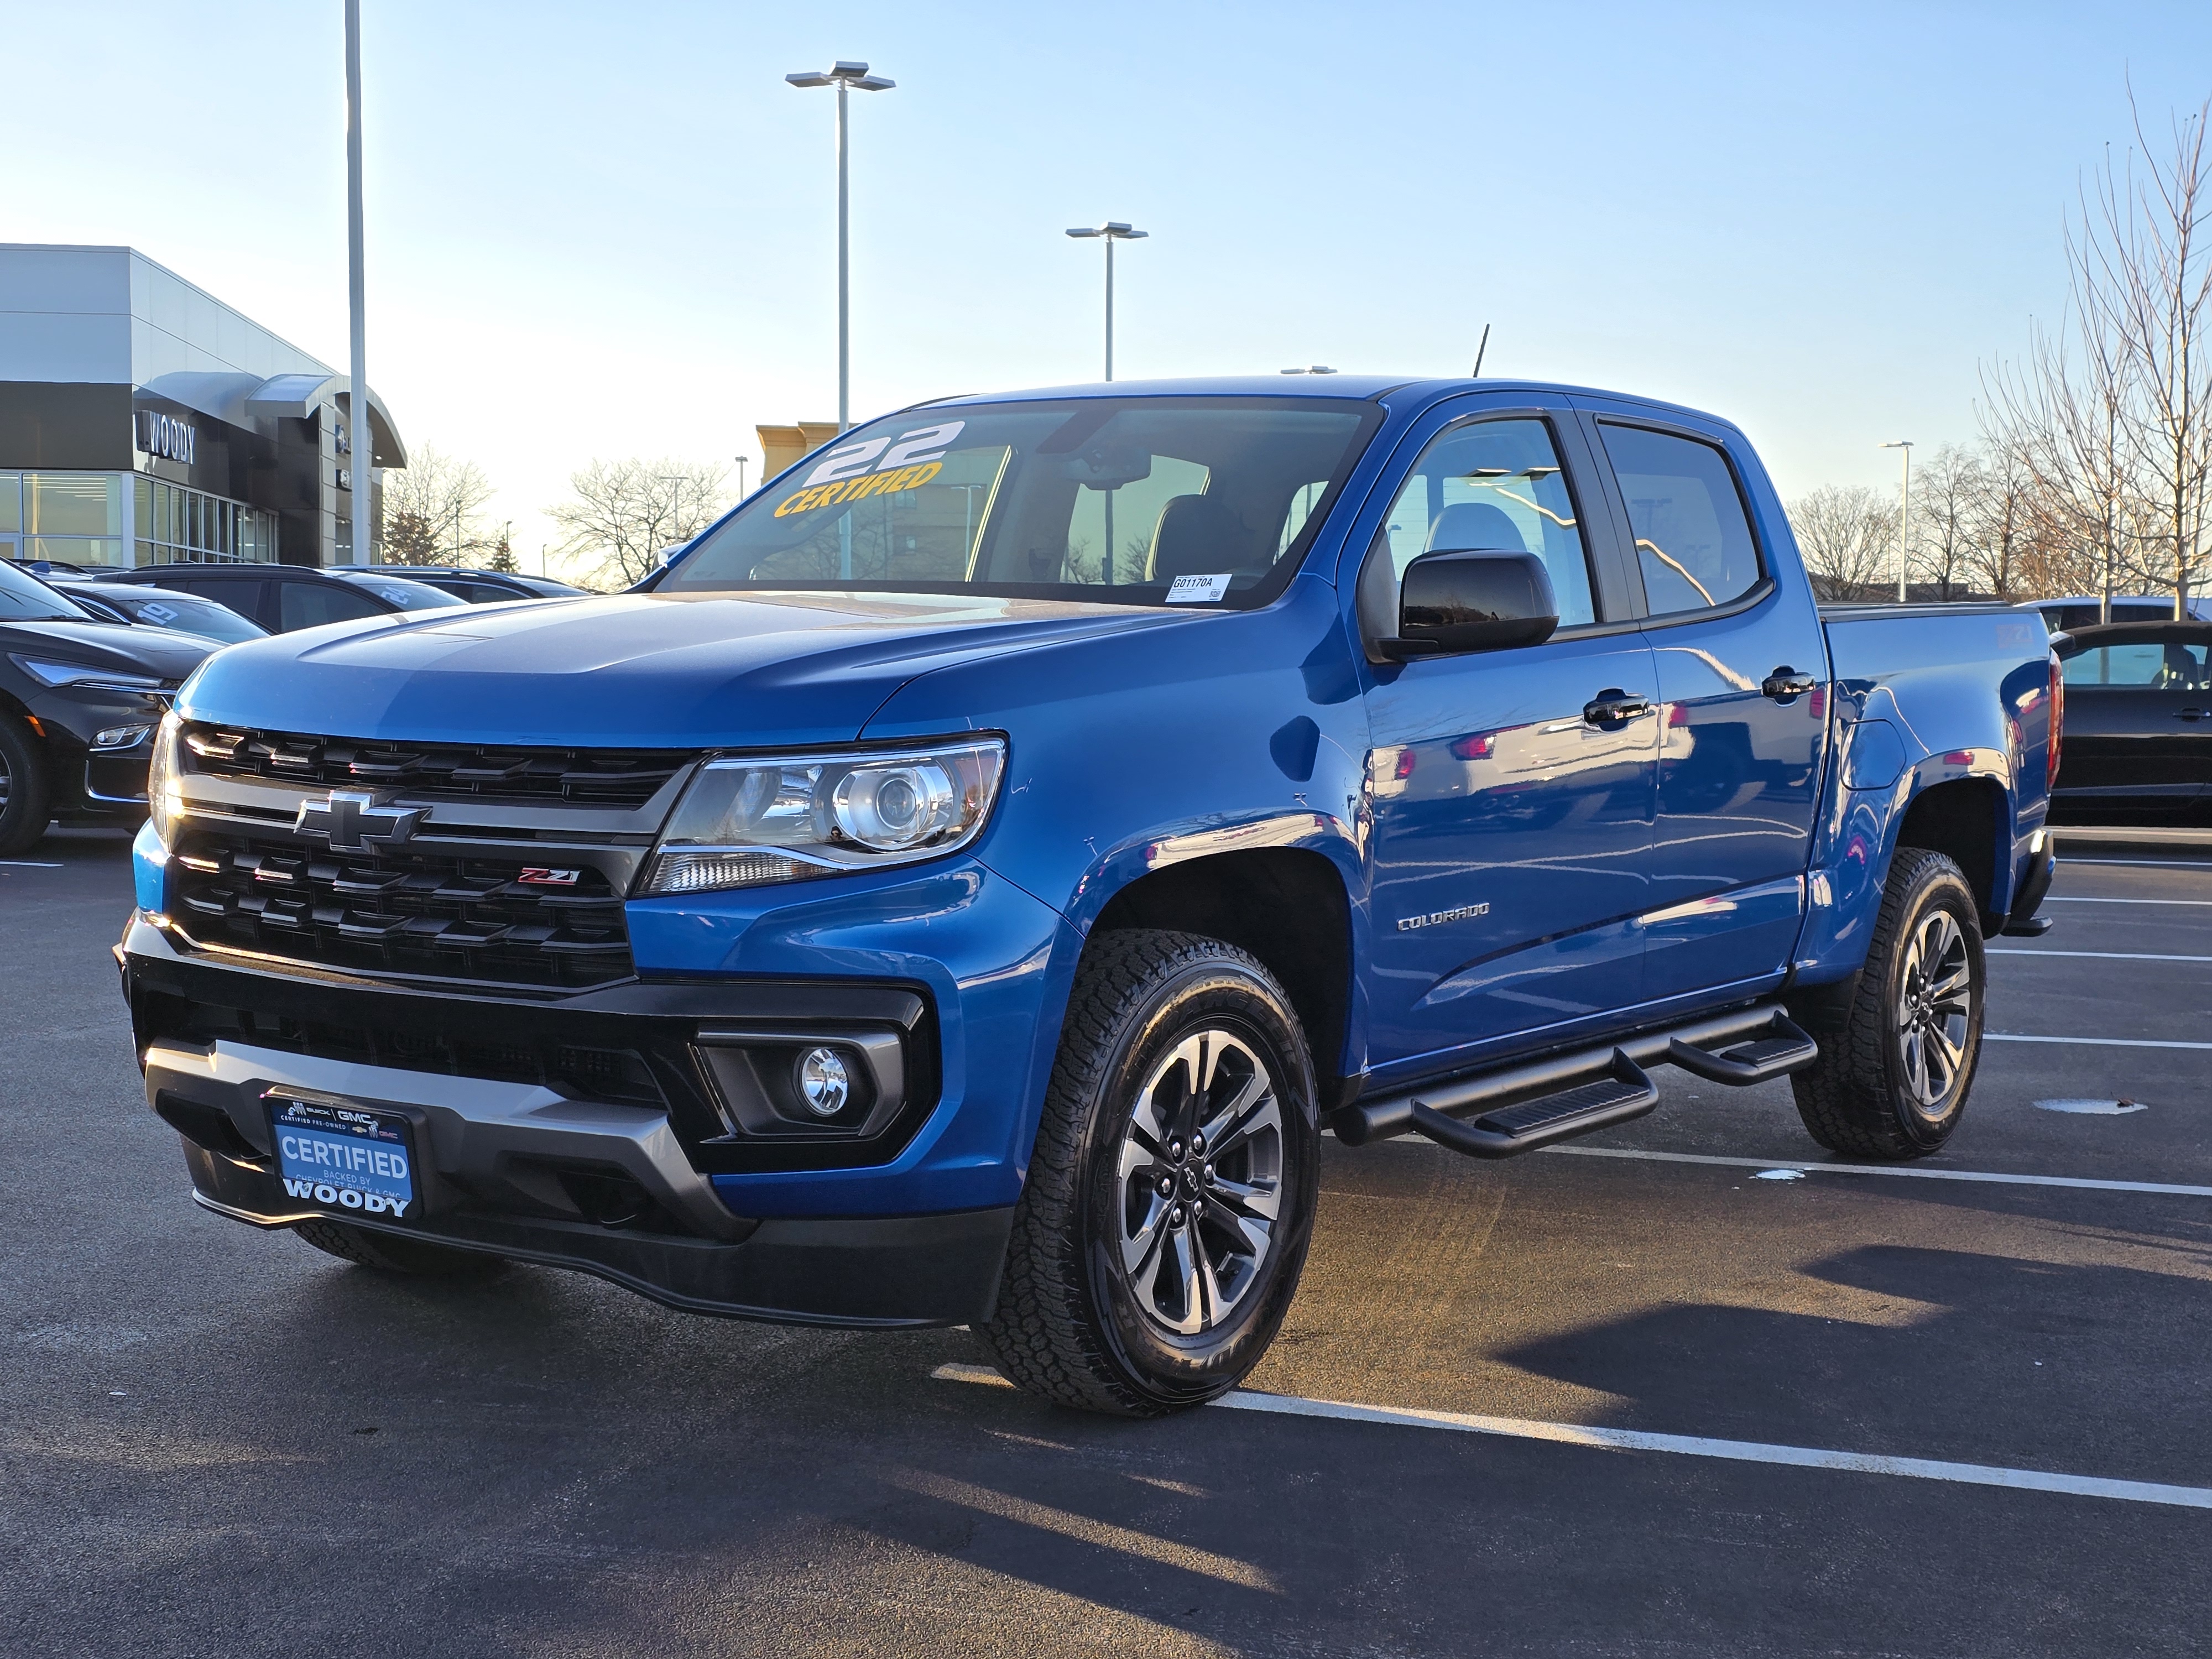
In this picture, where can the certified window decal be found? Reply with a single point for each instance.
(874, 466)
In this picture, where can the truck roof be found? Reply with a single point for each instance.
(1367, 386)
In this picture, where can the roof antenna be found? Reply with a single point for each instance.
(1479, 352)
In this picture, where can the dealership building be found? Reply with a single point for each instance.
(143, 421)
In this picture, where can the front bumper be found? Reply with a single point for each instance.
(523, 1171)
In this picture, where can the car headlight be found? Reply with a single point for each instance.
(747, 821)
(165, 803)
(85, 676)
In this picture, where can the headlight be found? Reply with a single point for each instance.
(746, 822)
(164, 802)
(84, 675)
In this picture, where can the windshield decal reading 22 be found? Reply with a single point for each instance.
(874, 466)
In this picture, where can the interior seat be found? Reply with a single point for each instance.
(1474, 527)
(1199, 536)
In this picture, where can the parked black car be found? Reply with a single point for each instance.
(478, 586)
(2138, 743)
(80, 697)
(162, 607)
(283, 596)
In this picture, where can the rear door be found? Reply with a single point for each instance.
(1741, 664)
(1510, 828)
(304, 603)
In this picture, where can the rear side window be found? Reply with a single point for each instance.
(242, 597)
(310, 605)
(2150, 664)
(1693, 540)
(1494, 485)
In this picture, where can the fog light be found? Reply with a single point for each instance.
(119, 737)
(824, 1083)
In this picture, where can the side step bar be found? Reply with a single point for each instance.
(1543, 1102)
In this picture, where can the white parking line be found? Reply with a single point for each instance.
(2199, 904)
(25, 864)
(2096, 1043)
(1688, 1446)
(1902, 1171)
(2101, 956)
(2204, 865)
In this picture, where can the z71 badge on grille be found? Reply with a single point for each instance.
(536, 877)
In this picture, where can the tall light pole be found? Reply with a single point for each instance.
(741, 478)
(843, 76)
(360, 451)
(1904, 513)
(675, 482)
(1111, 232)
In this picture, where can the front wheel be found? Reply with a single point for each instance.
(1170, 1197)
(26, 807)
(1899, 1045)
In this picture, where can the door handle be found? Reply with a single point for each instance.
(1785, 682)
(1614, 707)
(2191, 714)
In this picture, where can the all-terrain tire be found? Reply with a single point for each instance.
(1861, 1098)
(392, 1254)
(1078, 1319)
(26, 793)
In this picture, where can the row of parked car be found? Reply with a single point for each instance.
(90, 659)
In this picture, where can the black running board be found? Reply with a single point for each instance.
(1502, 1114)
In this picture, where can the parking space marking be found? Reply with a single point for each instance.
(25, 864)
(1685, 1445)
(2101, 956)
(2096, 1043)
(1902, 1171)
(2198, 904)
(2204, 865)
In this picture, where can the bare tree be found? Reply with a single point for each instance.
(433, 510)
(2154, 268)
(625, 513)
(1950, 487)
(2000, 519)
(1846, 532)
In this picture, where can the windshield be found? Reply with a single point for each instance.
(407, 595)
(157, 607)
(1144, 501)
(24, 598)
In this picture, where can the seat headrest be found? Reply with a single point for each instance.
(1198, 535)
(1466, 525)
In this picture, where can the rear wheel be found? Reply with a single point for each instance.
(1164, 1225)
(26, 801)
(391, 1253)
(1899, 1047)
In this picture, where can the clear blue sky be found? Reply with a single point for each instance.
(608, 230)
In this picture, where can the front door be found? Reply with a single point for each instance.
(1512, 791)
(1741, 667)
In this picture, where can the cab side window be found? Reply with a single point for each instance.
(1693, 542)
(1494, 485)
(309, 604)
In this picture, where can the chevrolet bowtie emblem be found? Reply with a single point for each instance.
(352, 818)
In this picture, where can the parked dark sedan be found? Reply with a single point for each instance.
(283, 596)
(476, 586)
(2138, 723)
(80, 697)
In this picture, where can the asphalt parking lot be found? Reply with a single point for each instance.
(1728, 1396)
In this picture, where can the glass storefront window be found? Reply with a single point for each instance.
(11, 501)
(82, 551)
(177, 525)
(73, 503)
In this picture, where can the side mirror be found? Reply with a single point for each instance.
(1451, 602)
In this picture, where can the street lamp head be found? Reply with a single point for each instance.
(852, 74)
(1113, 230)
(1902, 443)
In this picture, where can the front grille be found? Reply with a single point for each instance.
(402, 912)
(582, 777)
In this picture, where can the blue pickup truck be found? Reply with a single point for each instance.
(965, 885)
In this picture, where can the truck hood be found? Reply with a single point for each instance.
(632, 670)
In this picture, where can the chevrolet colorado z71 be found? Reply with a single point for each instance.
(963, 887)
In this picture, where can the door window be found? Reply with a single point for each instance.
(1693, 542)
(309, 604)
(2153, 665)
(1495, 486)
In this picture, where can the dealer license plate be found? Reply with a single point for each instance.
(355, 1160)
